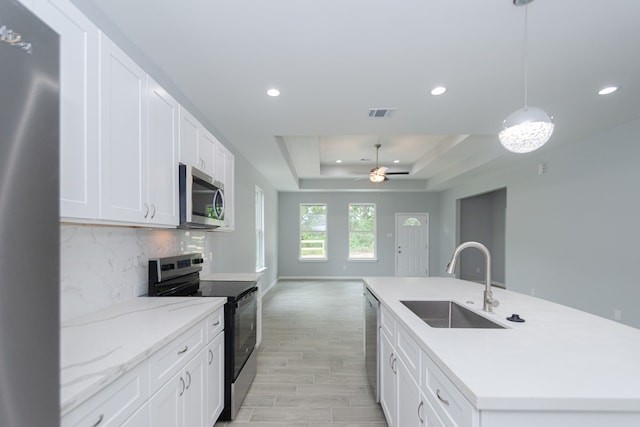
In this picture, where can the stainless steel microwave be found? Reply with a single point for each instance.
(201, 199)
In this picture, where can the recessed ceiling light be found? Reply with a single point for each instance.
(338, 161)
(607, 90)
(396, 161)
(273, 92)
(438, 90)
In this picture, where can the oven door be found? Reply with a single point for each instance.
(244, 330)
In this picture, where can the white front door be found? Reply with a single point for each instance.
(412, 244)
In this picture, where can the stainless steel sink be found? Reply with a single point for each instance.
(448, 314)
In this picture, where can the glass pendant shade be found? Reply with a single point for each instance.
(526, 130)
(377, 174)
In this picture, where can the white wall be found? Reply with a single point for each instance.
(572, 234)
(387, 205)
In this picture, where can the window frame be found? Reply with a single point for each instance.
(374, 231)
(326, 233)
(260, 240)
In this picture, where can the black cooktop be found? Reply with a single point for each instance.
(216, 288)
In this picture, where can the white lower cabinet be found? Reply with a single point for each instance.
(388, 383)
(181, 402)
(180, 385)
(215, 379)
(113, 405)
(413, 391)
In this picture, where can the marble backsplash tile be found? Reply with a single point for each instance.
(101, 266)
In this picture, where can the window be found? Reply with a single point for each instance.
(313, 231)
(260, 262)
(362, 231)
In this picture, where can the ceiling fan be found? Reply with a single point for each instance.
(379, 173)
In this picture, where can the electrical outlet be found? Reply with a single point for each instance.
(617, 314)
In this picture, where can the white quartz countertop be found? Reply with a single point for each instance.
(231, 277)
(98, 348)
(559, 359)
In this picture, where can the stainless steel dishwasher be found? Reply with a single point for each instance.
(371, 327)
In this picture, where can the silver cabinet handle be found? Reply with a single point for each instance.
(100, 418)
(393, 366)
(183, 386)
(420, 412)
(189, 376)
(217, 323)
(184, 350)
(446, 402)
(391, 360)
(146, 210)
(211, 357)
(153, 214)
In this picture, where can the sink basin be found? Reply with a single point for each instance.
(448, 314)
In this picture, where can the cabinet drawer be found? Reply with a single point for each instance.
(452, 407)
(115, 403)
(409, 351)
(387, 322)
(215, 324)
(169, 359)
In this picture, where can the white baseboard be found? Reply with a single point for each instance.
(320, 278)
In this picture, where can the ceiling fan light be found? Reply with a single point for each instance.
(526, 130)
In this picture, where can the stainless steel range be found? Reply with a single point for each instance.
(180, 276)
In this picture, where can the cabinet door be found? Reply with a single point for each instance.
(206, 152)
(123, 136)
(166, 406)
(194, 398)
(215, 379)
(219, 156)
(229, 190)
(189, 129)
(140, 418)
(162, 156)
(410, 408)
(78, 107)
(388, 379)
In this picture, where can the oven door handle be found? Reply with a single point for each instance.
(248, 298)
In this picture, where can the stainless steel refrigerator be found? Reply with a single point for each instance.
(29, 220)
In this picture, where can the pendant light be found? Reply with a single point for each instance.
(529, 128)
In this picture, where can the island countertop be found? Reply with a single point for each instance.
(559, 359)
(98, 348)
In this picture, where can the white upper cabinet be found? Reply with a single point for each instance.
(197, 145)
(189, 129)
(206, 152)
(162, 156)
(123, 136)
(220, 155)
(78, 106)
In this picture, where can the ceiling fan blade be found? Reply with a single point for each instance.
(397, 173)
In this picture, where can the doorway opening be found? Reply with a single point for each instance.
(482, 218)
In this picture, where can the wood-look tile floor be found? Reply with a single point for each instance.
(311, 361)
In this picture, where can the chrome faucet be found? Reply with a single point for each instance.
(489, 302)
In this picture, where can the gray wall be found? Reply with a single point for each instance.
(235, 251)
(482, 219)
(572, 234)
(387, 205)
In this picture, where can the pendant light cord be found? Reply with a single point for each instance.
(526, 59)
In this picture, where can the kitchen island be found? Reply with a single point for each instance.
(560, 367)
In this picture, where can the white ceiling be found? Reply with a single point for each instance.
(333, 60)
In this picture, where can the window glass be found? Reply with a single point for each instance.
(313, 231)
(362, 231)
(411, 222)
(260, 258)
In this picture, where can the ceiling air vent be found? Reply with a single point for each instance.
(378, 113)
